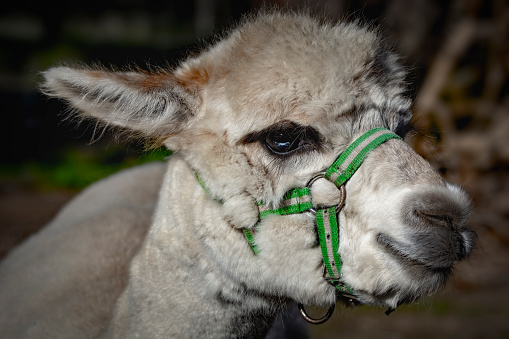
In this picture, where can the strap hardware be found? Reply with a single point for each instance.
(339, 206)
(315, 321)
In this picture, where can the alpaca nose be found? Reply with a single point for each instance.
(437, 219)
(436, 235)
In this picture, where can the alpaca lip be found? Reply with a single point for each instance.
(396, 249)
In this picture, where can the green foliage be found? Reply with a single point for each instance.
(76, 169)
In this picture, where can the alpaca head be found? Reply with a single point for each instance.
(262, 111)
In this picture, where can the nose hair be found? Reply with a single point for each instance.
(438, 233)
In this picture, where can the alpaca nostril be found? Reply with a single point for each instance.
(431, 219)
(440, 207)
(444, 231)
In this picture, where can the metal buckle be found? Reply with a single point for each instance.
(341, 188)
(347, 298)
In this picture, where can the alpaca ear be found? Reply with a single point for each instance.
(155, 105)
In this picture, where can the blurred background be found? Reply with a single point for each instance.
(457, 55)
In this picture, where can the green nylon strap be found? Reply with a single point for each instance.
(329, 240)
(247, 233)
(250, 240)
(328, 235)
(350, 160)
(205, 188)
(294, 201)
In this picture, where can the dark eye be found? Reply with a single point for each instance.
(285, 138)
(283, 142)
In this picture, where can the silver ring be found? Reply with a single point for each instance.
(341, 188)
(314, 321)
(314, 178)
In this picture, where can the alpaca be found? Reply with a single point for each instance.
(164, 251)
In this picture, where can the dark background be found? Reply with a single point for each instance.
(457, 54)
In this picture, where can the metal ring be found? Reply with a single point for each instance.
(341, 188)
(314, 321)
(314, 178)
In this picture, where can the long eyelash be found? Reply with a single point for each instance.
(311, 138)
(303, 132)
(277, 165)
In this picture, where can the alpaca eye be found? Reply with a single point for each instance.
(282, 142)
(286, 138)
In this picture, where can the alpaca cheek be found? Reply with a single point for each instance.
(371, 208)
(361, 262)
(291, 261)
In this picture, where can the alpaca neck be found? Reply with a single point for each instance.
(176, 286)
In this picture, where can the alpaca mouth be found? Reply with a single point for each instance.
(411, 258)
(425, 278)
(390, 296)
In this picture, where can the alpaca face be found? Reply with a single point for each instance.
(260, 113)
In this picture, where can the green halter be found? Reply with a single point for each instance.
(299, 200)
(327, 222)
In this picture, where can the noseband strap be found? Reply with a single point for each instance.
(351, 159)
